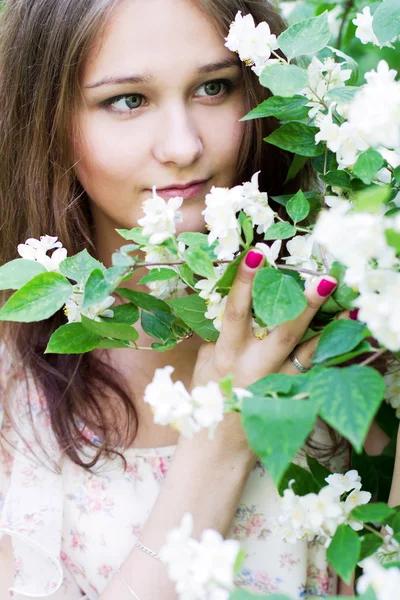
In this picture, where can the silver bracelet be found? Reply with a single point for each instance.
(148, 551)
(127, 584)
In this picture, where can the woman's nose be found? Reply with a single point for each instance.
(178, 138)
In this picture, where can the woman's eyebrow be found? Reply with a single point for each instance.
(209, 68)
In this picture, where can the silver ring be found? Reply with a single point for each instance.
(301, 368)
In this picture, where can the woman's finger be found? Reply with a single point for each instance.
(236, 324)
(304, 352)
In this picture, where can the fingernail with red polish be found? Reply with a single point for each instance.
(325, 287)
(253, 259)
(354, 314)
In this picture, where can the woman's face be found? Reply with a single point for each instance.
(173, 121)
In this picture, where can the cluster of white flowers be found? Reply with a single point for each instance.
(319, 515)
(372, 119)
(322, 77)
(173, 405)
(202, 570)
(160, 218)
(365, 32)
(73, 307)
(384, 582)
(171, 288)
(36, 250)
(222, 205)
(254, 44)
(358, 241)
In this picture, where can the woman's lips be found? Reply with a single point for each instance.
(185, 193)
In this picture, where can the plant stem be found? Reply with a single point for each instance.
(349, 5)
(372, 530)
(372, 358)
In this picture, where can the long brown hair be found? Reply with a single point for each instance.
(43, 46)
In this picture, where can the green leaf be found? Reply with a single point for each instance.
(79, 267)
(246, 224)
(304, 482)
(318, 471)
(367, 165)
(158, 274)
(393, 239)
(134, 235)
(370, 543)
(298, 163)
(377, 512)
(155, 327)
(118, 331)
(97, 289)
(343, 294)
(292, 108)
(396, 174)
(362, 348)
(386, 21)
(224, 284)
(276, 429)
(275, 383)
(307, 37)
(283, 79)
(337, 178)
(339, 337)
(199, 262)
(280, 231)
(124, 313)
(296, 137)
(372, 198)
(72, 338)
(191, 310)
(193, 238)
(342, 95)
(16, 273)
(164, 347)
(298, 207)
(38, 299)
(349, 399)
(145, 301)
(283, 200)
(276, 297)
(344, 552)
(107, 344)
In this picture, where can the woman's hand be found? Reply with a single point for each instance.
(237, 351)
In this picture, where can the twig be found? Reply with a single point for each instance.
(372, 358)
(220, 262)
(349, 5)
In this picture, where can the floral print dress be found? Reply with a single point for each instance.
(70, 529)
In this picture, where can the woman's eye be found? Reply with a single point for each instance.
(215, 88)
(130, 102)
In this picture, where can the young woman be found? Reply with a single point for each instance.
(101, 100)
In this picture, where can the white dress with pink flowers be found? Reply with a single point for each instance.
(70, 529)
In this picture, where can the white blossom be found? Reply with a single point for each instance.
(73, 307)
(216, 305)
(209, 405)
(384, 582)
(322, 77)
(222, 204)
(201, 570)
(160, 217)
(170, 288)
(365, 32)
(255, 205)
(171, 402)
(319, 515)
(344, 483)
(271, 253)
(254, 44)
(206, 285)
(173, 405)
(259, 331)
(374, 113)
(36, 250)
